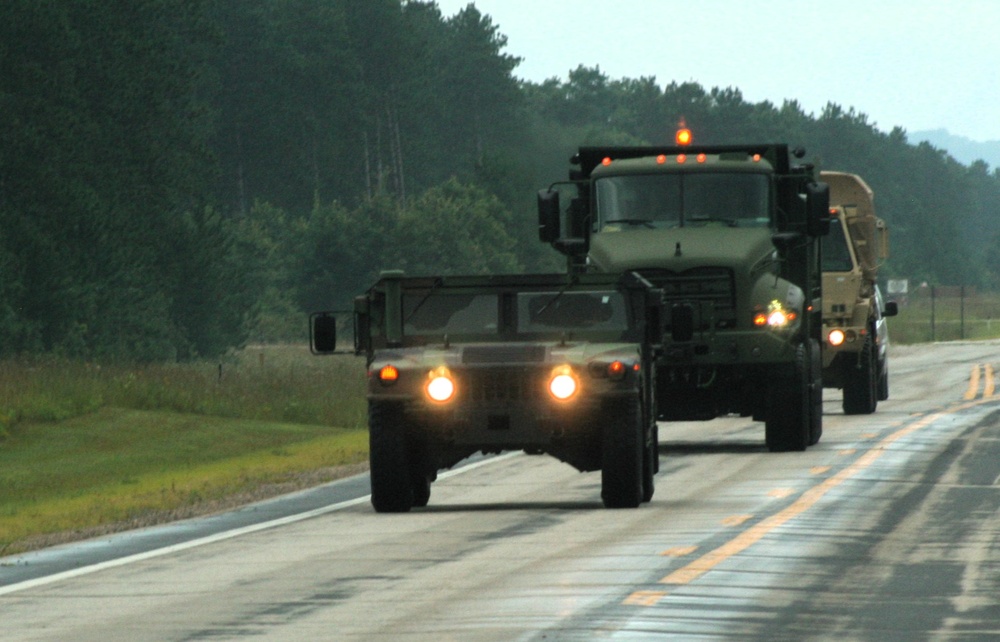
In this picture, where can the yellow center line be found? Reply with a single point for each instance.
(988, 386)
(973, 383)
(754, 534)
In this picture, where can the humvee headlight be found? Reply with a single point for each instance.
(563, 383)
(836, 337)
(440, 385)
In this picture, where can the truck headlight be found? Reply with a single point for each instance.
(440, 385)
(563, 383)
(836, 337)
(777, 316)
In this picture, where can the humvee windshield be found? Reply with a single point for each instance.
(683, 200)
(439, 313)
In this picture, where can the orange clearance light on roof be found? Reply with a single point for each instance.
(702, 158)
(756, 158)
(661, 159)
(606, 161)
(682, 158)
(388, 374)
(683, 136)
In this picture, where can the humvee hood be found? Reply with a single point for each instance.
(679, 249)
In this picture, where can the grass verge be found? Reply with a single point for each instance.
(88, 449)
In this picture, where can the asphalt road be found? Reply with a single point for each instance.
(889, 529)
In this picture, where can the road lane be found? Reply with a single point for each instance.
(887, 529)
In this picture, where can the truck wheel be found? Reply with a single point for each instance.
(883, 380)
(622, 454)
(651, 453)
(392, 488)
(421, 490)
(816, 393)
(790, 408)
(860, 384)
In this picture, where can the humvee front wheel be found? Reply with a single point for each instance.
(623, 449)
(392, 488)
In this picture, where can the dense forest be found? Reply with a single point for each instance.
(178, 177)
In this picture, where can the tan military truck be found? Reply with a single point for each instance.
(855, 333)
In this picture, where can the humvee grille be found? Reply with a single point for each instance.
(704, 288)
(504, 354)
(501, 385)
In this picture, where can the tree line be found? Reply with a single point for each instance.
(178, 177)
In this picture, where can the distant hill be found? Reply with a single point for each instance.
(964, 150)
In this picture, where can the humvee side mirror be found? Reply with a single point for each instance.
(817, 209)
(891, 309)
(323, 333)
(548, 216)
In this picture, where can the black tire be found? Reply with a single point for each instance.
(421, 490)
(816, 393)
(883, 380)
(651, 453)
(789, 407)
(392, 487)
(623, 454)
(860, 385)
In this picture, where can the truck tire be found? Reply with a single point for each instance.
(816, 393)
(883, 380)
(651, 455)
(790, 407)
(860, 386)
(622, 454)
(392, 486)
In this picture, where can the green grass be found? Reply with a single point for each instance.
(85, 445)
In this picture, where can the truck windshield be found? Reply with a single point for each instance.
(683, 200)
(836, 253)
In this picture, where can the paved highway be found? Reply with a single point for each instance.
(889, 529)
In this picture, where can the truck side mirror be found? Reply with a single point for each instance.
(323, 333)
(891, 309)
(817, 209)
(548, 216)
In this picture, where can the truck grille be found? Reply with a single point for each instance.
(710, 291)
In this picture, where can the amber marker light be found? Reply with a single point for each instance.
(440, 385)
(616, 370)
(661, 159)
(683, 136)
(388, 374)
(836, 337)
(702, 158)
(563, 384)
(682, 158)
(606, 161)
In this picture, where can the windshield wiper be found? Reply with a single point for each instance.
(438, 282)
(632, 221)
(731, 222)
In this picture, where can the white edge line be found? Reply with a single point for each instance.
(219, 537)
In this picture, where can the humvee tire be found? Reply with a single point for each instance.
(392, 486)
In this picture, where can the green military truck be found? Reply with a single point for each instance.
(731, 235)
(557, 364)
(855, 332)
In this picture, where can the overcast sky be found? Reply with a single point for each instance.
(919, 64)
